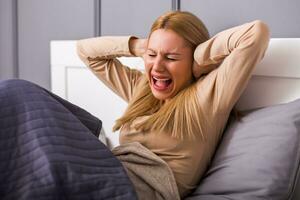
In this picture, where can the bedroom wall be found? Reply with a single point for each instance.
(283, 17)
(8, 48)
(28, 26)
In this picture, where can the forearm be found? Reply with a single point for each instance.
(103, 48)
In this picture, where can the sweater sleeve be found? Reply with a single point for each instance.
(100, 55)
(231, 56)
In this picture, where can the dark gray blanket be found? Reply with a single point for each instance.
(49, 149)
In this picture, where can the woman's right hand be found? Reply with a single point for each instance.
(137, 46)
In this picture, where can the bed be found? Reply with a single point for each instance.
(257, 158)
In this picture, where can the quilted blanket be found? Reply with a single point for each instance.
(49, 149)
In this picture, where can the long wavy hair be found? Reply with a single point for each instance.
(181, 115)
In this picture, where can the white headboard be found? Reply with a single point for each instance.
(276, 79)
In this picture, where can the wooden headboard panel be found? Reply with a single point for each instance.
(276, 79)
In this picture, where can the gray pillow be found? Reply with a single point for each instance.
(258, 157)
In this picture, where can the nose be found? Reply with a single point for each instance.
(158, 64)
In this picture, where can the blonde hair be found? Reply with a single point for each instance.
(180, 116)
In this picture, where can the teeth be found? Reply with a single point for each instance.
(160, 79)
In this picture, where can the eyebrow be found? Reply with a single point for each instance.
(168, 53)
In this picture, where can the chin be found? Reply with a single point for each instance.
(160, 96)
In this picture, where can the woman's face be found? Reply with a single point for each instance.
(168, 63)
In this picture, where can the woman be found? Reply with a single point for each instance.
(179, 107)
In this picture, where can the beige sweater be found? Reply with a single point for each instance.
(229, 56)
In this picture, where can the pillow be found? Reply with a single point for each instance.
(258, 157)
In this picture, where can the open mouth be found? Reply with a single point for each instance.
(161, 84)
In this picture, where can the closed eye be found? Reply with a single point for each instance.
(171, 58)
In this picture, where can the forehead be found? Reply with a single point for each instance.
(166, 40)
